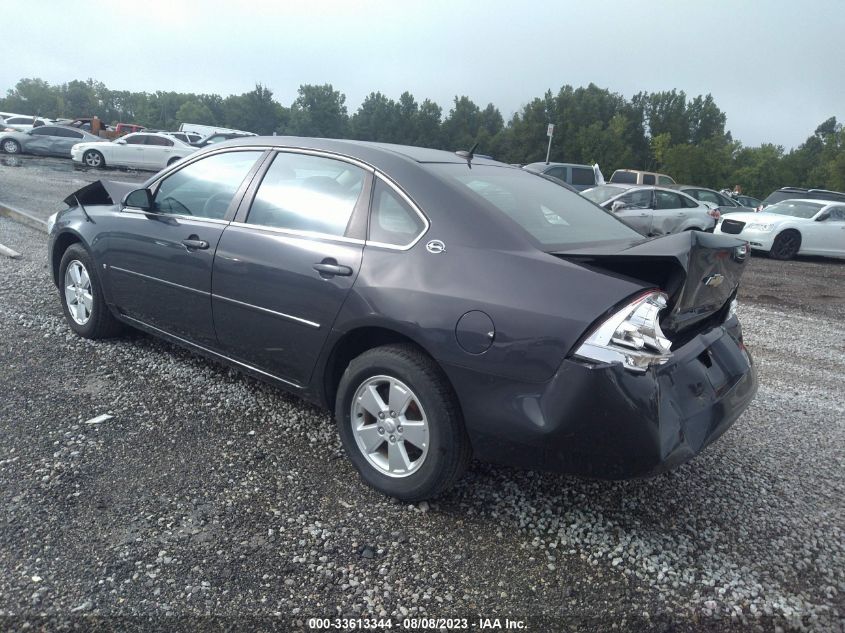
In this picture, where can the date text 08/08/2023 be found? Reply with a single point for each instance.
(416, 624)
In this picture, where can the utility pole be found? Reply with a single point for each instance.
(549, 132)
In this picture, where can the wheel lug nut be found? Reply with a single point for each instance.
(393, 414)
(392, 438)
(399, 429)
(380, 430)
(381, 415)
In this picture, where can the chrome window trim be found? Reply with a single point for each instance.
(196, 155)
(196, 218)
(410, 202)
(282, 315)
(161, 281)
(313, 235)
(211, 351)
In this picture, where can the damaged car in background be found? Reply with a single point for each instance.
(444, 306)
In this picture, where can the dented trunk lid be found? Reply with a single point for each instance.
(699, 271)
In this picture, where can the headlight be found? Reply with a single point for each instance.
(51, 222)
(765, 228)
(632, 336)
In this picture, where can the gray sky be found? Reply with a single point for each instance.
(774, 67)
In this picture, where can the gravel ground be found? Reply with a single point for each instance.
(211, 501)
(23, 178)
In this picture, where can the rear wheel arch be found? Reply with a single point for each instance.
(351, 345)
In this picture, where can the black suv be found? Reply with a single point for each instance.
(789, 193)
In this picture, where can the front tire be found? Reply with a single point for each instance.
(82, 296)
(786, 245)
(11, 146)
(400, 423)
(93, 158)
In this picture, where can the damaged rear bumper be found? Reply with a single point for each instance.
(606, 422)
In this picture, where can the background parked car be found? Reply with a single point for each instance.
(638, 177)
(792, 227)
(24, 123)
(46, 140)
(186, 137)
(654, 210)
(579, 176)
(749, 202)
(219, 137)
(142, 150)
(796, 193)
(724, 203)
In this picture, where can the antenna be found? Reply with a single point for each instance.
(468, 154)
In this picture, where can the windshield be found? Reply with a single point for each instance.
(553, 215)
(602, 193)
(796, 208)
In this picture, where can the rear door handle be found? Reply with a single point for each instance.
(193, 244)
(330, 270)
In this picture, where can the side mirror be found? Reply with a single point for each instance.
(617, 206)
(823, 216)
(139, 199)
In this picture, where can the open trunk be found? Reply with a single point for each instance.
(699, 272)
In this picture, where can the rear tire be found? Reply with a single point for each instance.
(11, 146)
(786, 245)
(431, 459)
(93, 158)
(82, 296)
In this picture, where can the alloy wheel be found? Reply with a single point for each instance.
(390, 426)
(10, 147)
(92, 159)
(787, 245)
(78, 296)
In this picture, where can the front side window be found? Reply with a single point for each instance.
(639, 199)
(837, 214)
(624, 177)
(665, 180)
(301, 192)
(45, 131)
(392, 220)
(135, 139)
(703, 195)
(206, 187)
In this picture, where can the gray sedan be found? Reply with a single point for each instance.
(46, 140)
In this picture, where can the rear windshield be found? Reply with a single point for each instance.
(625, 177)
(796, 208)
(553, 215)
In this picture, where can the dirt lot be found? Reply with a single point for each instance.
(211, 501)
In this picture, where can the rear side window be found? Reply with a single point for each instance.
(392, 220)
(583, 176)
(301, 192)
(665, 180)
(556, 172)
(648, 179)
(667, 200)
(689, 203)
(159, 140)
(624, 177)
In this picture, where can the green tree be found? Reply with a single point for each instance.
(319, 111)
(376, 119)
(195, 112)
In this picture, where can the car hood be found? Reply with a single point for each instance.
(101, 192)
(699, 271)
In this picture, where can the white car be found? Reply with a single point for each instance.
(791, 227)
(654, 210)
(141, 150)
(21, 123)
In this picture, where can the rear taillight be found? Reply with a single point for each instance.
(631, 336)
(714, 213)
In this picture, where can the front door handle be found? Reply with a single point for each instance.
(193, 244)
(330, 270)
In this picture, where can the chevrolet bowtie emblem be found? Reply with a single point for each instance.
(713, 280)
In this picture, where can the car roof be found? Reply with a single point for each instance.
(542, 164)
(380, 155)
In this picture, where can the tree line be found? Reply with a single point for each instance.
(666, 131)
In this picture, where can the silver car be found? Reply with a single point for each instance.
(725, 203)
(654, 210)
(46, 140)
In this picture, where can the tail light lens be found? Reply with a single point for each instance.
(631, 336)
(714, 213)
